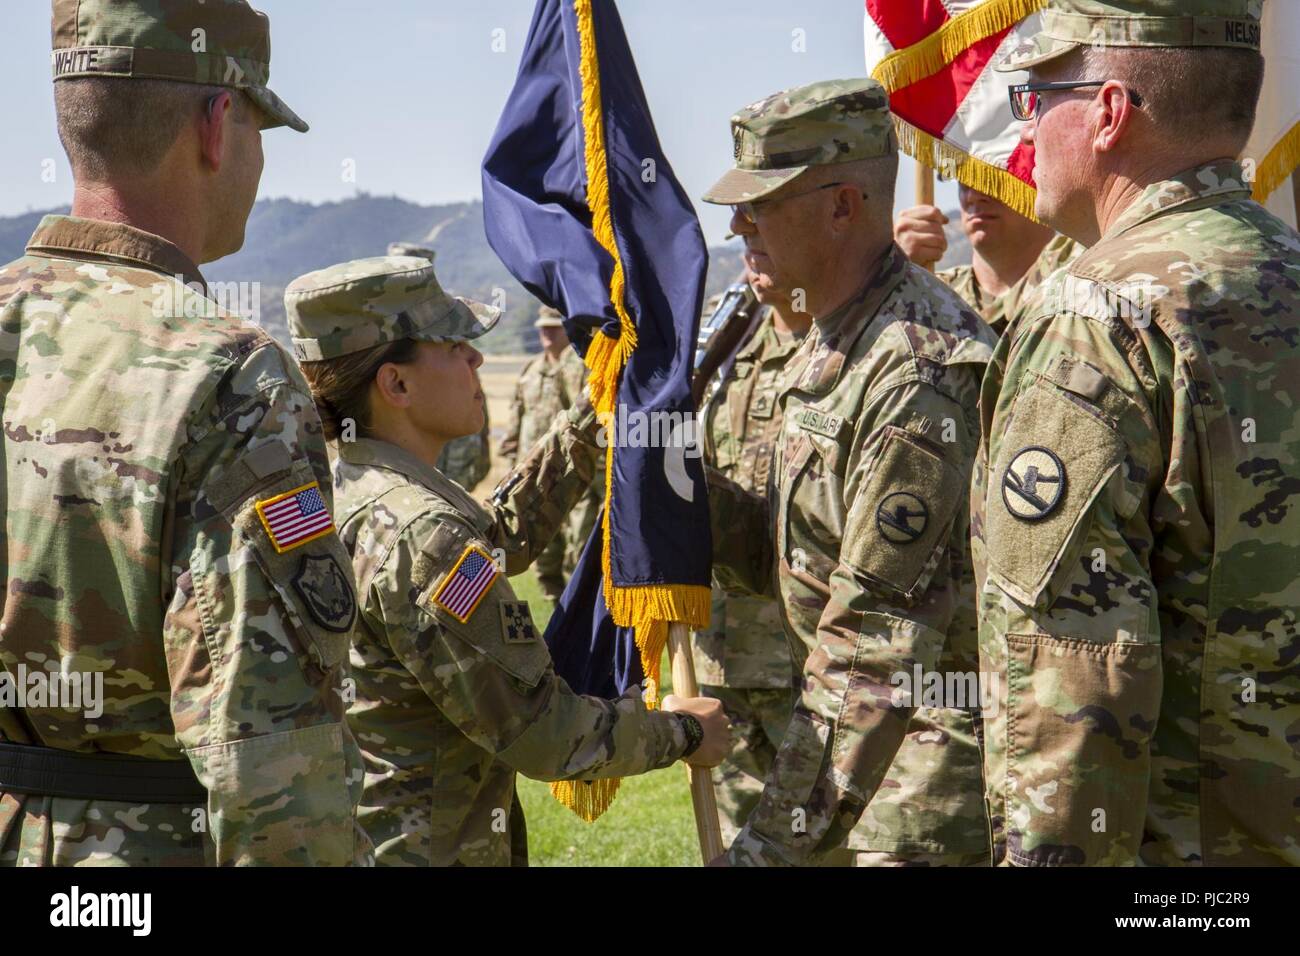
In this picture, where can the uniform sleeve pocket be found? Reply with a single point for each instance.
(494, 623)
(1080, 715)
(802, 760)
(299, 550)
(899, 523)
(1055, 460)
(280, 799)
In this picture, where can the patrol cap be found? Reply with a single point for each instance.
(1071, 24)
(549, 318)
(410, 249)
(778, 138)
(357, 305)
(158, 40)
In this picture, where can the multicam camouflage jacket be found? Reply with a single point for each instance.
(998, 310)
(145, 434)
(745, 645)
(863, 540)
(1139, 586)
(455, 690)
(546, 387)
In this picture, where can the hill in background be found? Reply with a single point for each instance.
(286, 238)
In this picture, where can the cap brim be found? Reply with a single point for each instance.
(276, 109)
(747, 185)
(469, 320)
(1035, 51)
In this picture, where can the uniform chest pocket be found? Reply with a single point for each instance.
(812, 504)
(1055, 460)
(293, 536)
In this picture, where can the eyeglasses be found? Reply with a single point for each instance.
(1025, 101)
(747, 210)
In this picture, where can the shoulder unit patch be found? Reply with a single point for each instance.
(517, 623)
(1034, 483)
(902, 517)
(327, 592)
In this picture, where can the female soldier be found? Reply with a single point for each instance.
(455, 691)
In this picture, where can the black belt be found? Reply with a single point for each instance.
(44, 771)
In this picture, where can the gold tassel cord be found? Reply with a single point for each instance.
(646, 608)
(966, 169)
(1281, 161)
(906, 66)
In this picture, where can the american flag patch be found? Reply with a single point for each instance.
(295, 517)
(465, 586)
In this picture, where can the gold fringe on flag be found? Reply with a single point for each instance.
(646, 608)
(904, 67)
(966, 169)
(586, 798)
(1280, 163)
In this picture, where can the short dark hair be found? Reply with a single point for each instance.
(1188, 91)
(120, 127)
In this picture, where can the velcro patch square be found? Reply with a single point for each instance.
(517, 623)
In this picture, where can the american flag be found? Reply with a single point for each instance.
(295, 517)
(467, 583)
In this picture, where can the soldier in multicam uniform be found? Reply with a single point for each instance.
(148, 436)
(468, 459)
(743, 659)
(862, 535)
(1140, 595)
(548, 385)
(455, 690)
(1011, 255)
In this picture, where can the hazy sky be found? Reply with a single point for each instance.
(410, 90)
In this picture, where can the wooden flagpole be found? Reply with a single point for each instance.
(702, 796)
(925, 191)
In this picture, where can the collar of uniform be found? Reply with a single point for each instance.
(1209, 184)
(768, 345)
(68, 237)
(753, 348)
(826, 345)
(382, 454)
(843, 321)
(962, 279)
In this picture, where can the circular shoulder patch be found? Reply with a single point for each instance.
(1034, 483)
(902, 517)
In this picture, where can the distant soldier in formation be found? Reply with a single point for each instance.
(548, 384)
(862, 535)
(743, 659)
(455, 689)
(1011, 255)
(167, 493)
(1137, 488)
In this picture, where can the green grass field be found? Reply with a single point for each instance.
(649, 823)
